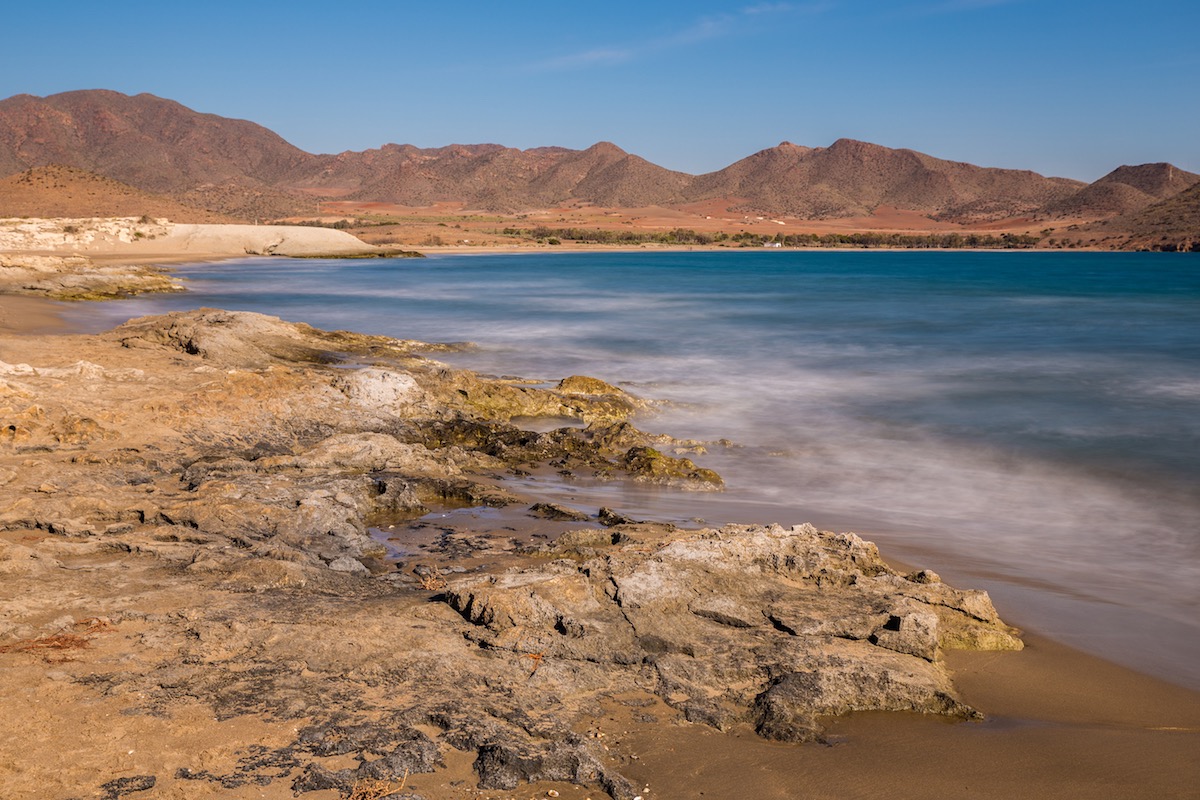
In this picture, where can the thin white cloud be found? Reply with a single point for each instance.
(767, 8)
(956, 6)
(599, 57)
(701, 30)
(812, 7)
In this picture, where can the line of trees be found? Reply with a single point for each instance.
(347, 224)
(686, 236)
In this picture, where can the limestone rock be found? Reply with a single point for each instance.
(789, 708)
(763, 624)
(17, 559)
(348, 564)
(378, 388)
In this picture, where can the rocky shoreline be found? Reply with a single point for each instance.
(207, 535)
(106, 258)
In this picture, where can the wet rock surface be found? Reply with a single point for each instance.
(229, 522)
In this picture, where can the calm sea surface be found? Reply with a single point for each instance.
(1027, 423)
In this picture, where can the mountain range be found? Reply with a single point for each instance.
(236, 168)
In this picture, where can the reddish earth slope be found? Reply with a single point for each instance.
(58, 191)
(1124, 190)
(238, 168)
(1172, 224)
(851, 178)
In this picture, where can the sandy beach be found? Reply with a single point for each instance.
(1060, 724)
(29, 315)
(151, 617)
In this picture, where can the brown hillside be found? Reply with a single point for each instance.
(238, 168)
(1123, 190)
(606, 175)
(59, 191)
(247, 203)
(145, 141)
(352, 172)
(490, 177)
(487, 175)
(775, 180)
(851, 178)
(1171, 224)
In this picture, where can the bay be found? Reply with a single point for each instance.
(1024, 422)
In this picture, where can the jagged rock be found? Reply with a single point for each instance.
(116, 789)
(790, 707)
(506, 765)
(403, 750)
(582, 384)
(280, 450)
(238, 338)
(77, 277)
(719, 612)
(348, 564)
(649, 465)
(557, 512)
(611, 518)
(914, 633)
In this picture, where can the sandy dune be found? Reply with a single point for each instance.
(96, 258)
(149, 238)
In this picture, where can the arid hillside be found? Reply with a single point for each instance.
(1124, 190)
(154, 144)
(58, 191)
(491, 177)
(851, 178)
(1172, 225)
(221, 165)
(188, 163)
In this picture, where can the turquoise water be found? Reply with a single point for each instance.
(1028, 422)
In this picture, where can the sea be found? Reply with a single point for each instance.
(1022, 422)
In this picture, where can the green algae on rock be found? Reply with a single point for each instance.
(651, 466)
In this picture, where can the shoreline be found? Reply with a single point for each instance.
(464, 250)
(1062, 724)
(24, 314)
(32, 315)
(1114, 719)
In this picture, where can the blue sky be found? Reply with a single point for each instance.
(1063, 87)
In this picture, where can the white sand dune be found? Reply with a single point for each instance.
(279, 240)
(145, 238)
(82, 259)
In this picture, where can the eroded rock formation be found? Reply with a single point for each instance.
(186, 510)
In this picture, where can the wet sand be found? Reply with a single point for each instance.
(20, 314)
(1059, 724)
